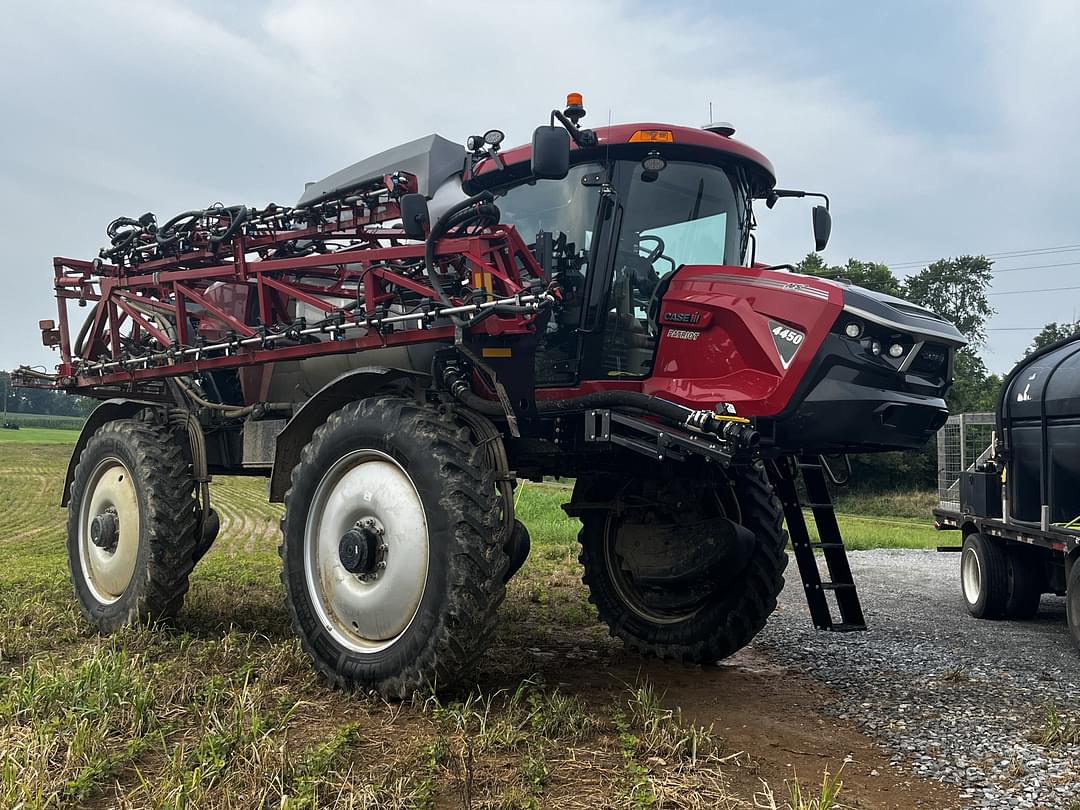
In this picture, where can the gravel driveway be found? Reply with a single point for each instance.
(955, 698)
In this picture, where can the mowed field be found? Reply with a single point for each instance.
(221, 709)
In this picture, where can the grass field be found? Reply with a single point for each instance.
(38, 435)
(45, 420)
(221, 709)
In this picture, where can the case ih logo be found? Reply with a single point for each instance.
(682, 317)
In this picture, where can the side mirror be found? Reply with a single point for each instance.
(414, 215)
(822, 226)
(550, 153)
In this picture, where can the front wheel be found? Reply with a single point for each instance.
(684, 569)
(393, 560)
(131, 525)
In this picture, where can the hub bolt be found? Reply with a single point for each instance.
(105, 530)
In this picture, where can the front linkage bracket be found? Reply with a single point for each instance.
(655, 441)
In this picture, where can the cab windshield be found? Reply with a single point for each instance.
(689, 213)
(685, 213)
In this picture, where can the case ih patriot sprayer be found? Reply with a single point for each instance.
(429, 325)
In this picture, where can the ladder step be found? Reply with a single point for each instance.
(818, 508)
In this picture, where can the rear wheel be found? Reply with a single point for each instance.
(984, 576)
(684, 569)
(1072, 602)
(393, 560)
(131, 525)
(1025, 584)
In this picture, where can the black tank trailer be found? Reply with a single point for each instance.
(1019, 504)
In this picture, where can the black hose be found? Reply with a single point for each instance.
(441, 226)
(739, 433)
(181, 223)
(237, 216)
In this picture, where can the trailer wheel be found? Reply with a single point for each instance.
(1025, 585)
(1072, 602)
(984, 576)
(392, 554)
(711, 618)
(131, 525)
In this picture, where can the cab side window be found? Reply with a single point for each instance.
(565, 212)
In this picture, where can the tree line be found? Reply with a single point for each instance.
(41, 401)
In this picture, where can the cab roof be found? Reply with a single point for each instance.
(621, 134)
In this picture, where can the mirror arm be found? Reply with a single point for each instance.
(582, 137)
(778, 193)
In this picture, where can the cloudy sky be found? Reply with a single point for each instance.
(937, 129)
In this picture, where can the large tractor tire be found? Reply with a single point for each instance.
(131, 525)
(393, 556)
(684, 571)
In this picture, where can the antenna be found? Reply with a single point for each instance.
(710, 111)
(607, 147)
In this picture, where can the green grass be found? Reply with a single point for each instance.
(220, 708)
(862, 532)
(38, 435)
(912, 504)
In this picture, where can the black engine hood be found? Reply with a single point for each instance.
(892, 312)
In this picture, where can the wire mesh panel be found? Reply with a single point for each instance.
(963, 442)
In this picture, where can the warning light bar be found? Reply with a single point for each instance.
(652, 136)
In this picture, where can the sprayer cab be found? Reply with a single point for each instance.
(648, 231)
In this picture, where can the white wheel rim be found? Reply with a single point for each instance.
(971, 575)
(108, 571)
(366, 614)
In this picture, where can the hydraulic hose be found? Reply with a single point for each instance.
(438, 230)
(738, 432)
(230, 411)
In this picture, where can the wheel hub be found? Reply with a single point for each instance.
(362, 550)
(109, 529)
(673, 548)
(366, 549)
(105, 530)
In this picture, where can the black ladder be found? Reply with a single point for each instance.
(784, 473)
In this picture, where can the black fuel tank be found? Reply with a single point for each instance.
(1039, 422)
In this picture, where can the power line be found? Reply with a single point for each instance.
(1035, 267)
(1041, 289)
(1006, 254)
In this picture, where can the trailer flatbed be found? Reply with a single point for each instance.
(1055, 539)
